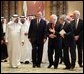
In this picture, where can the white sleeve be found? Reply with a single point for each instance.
(6, 34)
(22, 33)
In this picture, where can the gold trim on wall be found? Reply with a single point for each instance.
(19, 8)
(47, 10)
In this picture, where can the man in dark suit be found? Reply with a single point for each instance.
(1, 32)
(66, 34)
(3, 46)
(37, 37)
(1, 38)
(53, 42)
(77, 25)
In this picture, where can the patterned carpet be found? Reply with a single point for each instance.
(27, 68)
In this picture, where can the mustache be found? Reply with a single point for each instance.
(22, 21)
(16, 20)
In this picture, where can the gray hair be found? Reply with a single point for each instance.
(54, 16)
(77, 12)
(63, 17)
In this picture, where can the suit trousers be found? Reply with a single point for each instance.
(53, 48)
(37, 52)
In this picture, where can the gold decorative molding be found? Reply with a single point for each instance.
(19, 8)
(47, 9)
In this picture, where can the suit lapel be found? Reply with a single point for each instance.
(78, 24)
(73, 24)
(64, 26)
(40, 21)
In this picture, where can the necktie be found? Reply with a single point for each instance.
(37, 22)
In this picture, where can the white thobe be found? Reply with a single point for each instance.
(26, 48)
(45, 54)
(45, 50)
(13, 34)
(4, 28)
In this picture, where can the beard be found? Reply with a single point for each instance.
(22, 21)
(16, 20)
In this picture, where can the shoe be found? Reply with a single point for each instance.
(60, 62)
(55, 67)
(21, 62)
(50, 66)
(72, 67)
(26, 62)
(38, 66)
(81, 66)
(67, 68)
(34, 65)
(5, 60)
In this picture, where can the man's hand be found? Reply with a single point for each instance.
(52, 36)
(76, 37)
(52, 30)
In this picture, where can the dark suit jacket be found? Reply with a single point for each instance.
(1, 32)
(68, 37)
(79, 30)
(37, 33)
(57, 30)
(57, 39)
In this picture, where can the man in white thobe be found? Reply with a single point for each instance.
(13, 34)
(45, 48)
(45, 55)
(26, 45)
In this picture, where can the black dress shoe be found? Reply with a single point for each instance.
(34, 65)
(26, 62)
(21, 62)
(38, 66)
(72, 67)
(67, 68)
(5, 60)
(55, 67)
(50, 66)
(81, 66)
(60, 62)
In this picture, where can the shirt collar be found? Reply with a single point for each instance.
(63, 23)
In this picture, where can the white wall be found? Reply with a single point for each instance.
(75, 5)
